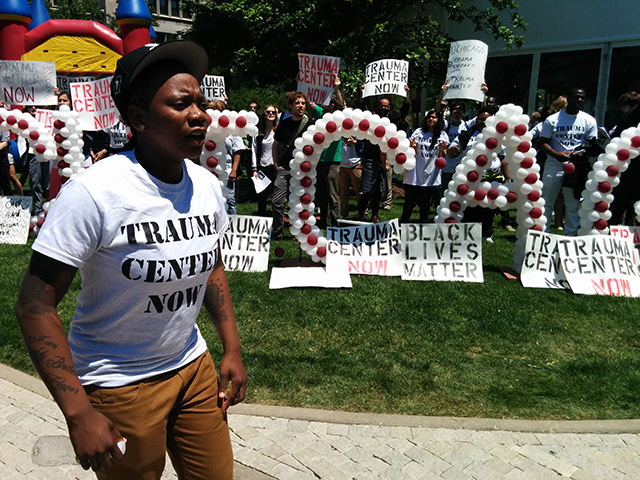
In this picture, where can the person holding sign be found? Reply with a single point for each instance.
(135, 374)
(430, 142)
(262, 152)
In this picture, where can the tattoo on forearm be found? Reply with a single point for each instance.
(38, 354)
(216, 302)
(60, 362)
(58, 384)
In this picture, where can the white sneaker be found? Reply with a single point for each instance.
(489, 240)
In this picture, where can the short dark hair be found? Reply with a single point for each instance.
(629, 99)
(490, 109)
(576, 89)
(293, 96)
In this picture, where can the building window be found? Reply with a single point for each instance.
(623, 77)
(169, 8)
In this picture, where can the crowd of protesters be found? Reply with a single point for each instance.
(357, 169)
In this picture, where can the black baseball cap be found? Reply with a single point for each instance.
(190, 54)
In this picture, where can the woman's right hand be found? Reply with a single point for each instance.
(255, 174)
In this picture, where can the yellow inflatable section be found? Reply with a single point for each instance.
(75, 54)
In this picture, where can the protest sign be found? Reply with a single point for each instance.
(15, 215)
(541, 267)
(64, 83)
(260, 182)
(442, 251)
(94, 104)
(368, 249)
(27, 83)
(600, 265)
(245, 245)
(45, 117)
(294, 277)
(316, 77)
(633, 233)
(386, 77)
(465, 69)
(213, 88)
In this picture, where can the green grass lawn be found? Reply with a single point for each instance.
(430, 348)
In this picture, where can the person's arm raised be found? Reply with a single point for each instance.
(217, 303)
(45, 283)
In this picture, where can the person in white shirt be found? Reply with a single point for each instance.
(262, 153)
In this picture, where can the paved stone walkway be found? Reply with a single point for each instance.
(305, 444)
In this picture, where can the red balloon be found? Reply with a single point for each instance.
(209, 145)
(480, 194)
(57, 124)
(449, 220)
(279, 252)
(491, 143)
(305, 199)
(462, 189)
(393, 143)
(307, 150)
(223, 121)
(612, 170)
(534, 196)
(527, 162)
(40, 222)
(41, 149)
(322, 252)
(535, 213)
(212, 162)
(481, 160)
(331, 127)
(11, 120)
(401, 158)
(473, 176)
(364, 125)
(635, 142)
(62, 164)
(312, 240)
(305, 167)
(304, 215)
(455, 206)
(59, 138)
(306, 229)
(511, 197)
(502, 127)
(600, 224)
(493, 193)
(241, 122)
(305, 182)
(61, 151)
(604, 187)
(347, 124)
(537, 227)
(318, 138)
(441, 162)
(520, 130)
(531, 178)
(601, 207)
(568, 168)
(524, 147)
(23, 124)
(623, 154)
(34, 135)
(380, 131)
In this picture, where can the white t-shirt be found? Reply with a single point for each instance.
(452, 132)
(145, 250)
(567, 132)
(234, 145)
(425, 174)
(349, 156)
(266, 149)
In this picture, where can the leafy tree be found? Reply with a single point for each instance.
(76, 9)
(255, 42)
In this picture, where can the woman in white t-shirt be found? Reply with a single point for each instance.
(261, 154)
(430, 143)
(135, 378)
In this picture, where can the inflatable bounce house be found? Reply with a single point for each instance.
(78, 47)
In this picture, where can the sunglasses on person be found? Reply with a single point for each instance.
(270, 112)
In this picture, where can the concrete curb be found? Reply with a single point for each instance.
(35, 385)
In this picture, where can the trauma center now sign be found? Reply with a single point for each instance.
(368, 249)
(212, 87)
(541, 267)
(245, 244)
(442, 251)
(465, 69)
(94, 104)
(27, 83)
(316, 76)
(386, 77)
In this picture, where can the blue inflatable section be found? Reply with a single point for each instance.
(16, 7)
(39, 13)
(133, 9)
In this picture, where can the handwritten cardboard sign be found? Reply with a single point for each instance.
(316, 77)
(94, 104)
(386, 77)
(213, 88)
(45, 117)
(600, 265)
(442, 251)
(27, 83)
(245, 245)
(542, 267)
(64, 82)
(367, 250)
(15, 215)
(465, 69)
